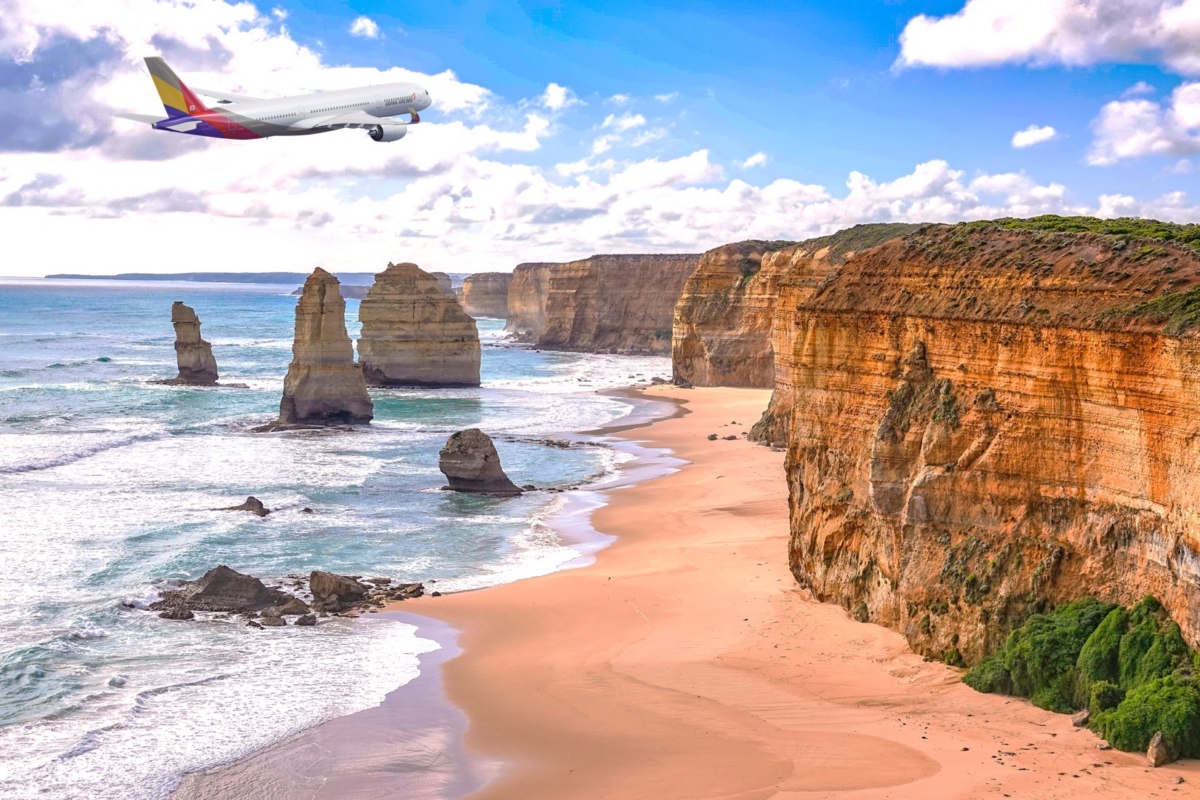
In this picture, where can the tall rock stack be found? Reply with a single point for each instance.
(323, 384)
(415, 334)
(486, 294)
(194, 355)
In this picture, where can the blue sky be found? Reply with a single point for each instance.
(565, 129)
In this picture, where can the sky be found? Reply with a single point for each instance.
(559, 130)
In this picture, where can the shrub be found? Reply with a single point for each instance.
(1104, 695)
(989, 676)
(1040, 656)
(1153, 647)
(1170, 704)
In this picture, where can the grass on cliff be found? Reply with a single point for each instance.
(1130, 669)
(1180, 310)
(1130, 227)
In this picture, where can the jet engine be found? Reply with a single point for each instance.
(388, 133)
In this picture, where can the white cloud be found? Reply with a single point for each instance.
(365, 27)
(666, 98)
(624, 122)
(756, 160)
(1033, 135)
(1134, 128)
(647, 136)
(1138, 89)
(440, 197)
(619, 99)
(558, 98)
(279, 13)
(1068, 32)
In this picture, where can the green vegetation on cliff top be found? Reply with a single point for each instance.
(1180, 310)
(1130, 669)
(1131, 227)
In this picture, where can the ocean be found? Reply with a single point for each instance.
(107, 488)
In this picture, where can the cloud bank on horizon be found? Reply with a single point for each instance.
(487, 181)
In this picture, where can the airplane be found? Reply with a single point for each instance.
(238, 117)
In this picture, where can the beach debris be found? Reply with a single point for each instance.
(712, 437)
(471, 464)
(252, 504)
(1158, 753)
(307, 510)
(730, 438)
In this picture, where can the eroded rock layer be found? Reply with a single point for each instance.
(985, 422)
(193, 355)
(323, 384)
(620, 304)
(416, 334)
(527, 292)
(486, 294)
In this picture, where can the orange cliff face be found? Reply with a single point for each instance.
(978, 428)
(617, 303)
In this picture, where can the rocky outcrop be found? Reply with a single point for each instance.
(986, 421)
(471, 464)
(193, 355)
(444, 282)
(723, 333)
(219, 589)
(617, 304)
(323, 384)
(415, 334)
(485, 294)
(252, 504)
(527, 291)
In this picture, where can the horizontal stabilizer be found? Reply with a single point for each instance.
(226, 96)
(149, 119)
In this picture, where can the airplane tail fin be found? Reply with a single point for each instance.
(177, 98)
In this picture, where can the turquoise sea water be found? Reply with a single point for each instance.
(106, 488)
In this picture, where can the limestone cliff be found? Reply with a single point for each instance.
(987, 420)
(414, 333)
(616, 303)
(527, 292)
(193, 355)
(485, 294)
(724, 321)
(323, 384)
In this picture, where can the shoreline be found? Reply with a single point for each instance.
(386, 746)
(683, 661)
(686, 662)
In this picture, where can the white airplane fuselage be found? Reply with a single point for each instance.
(373, 108)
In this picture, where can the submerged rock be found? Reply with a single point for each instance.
(252, 504)
(471, 464)
(305, 621)
(416, 334)
(323, 385)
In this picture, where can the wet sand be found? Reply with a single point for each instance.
(686, 663)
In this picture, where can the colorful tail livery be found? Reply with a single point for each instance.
(372, 108)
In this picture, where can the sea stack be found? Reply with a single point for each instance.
(486, 294)
(471, 464)
(323, 385)
(194, 355)
(414, 333)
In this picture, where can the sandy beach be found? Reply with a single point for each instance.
(687, 663)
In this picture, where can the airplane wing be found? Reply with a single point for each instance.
(354, 119)
(226, 96)
(149, 119)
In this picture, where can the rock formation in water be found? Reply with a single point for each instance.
(485, 294)
(618, 304)
(252, 504)
(219, 589)
(444, 282)
(323, 385)
(415, 334)
(527, 292)
(193, 355)
(471, 464)
(987, 420)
